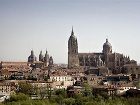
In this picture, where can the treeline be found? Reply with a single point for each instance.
(61, 97)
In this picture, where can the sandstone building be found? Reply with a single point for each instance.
(44, 60)
(73, 60)
(112, 61)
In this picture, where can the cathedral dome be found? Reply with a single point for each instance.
(32, 57)
(107, 43)
(107, 48)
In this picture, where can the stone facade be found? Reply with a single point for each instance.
(114, 62)
(73, 60)
(43, 60)
(5, 89)
(32, 58)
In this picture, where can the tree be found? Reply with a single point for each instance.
(59, 99)
(25, 88)
(69, 101)
(42, 92)
(87, 89)
(61, 92)
(18, 97)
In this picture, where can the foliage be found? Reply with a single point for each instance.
(46, 78)
(100, 93)
(25, 88)
(61, 92)
(55, 100)
(18, 97)
(69, 101)
(44, 92)
(87, 90)
(59, 97)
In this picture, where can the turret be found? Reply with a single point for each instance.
(51, 61)
(46, 58)
(41, 58)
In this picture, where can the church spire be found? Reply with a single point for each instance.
(46, 51)
(41, 58)
(41, 52)
(106, 40)
(72, 33)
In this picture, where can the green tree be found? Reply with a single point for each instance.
(25, 88)
(69, 101)
(87, 89)
(18, 97)
(61, 92)
(42, 92)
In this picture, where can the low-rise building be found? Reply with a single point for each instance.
(5, 90)
(61, 81)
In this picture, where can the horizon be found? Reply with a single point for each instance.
(47, 24)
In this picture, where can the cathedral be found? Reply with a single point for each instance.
(112, 61)
(44, 60)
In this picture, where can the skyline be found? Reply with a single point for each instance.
(47, 24)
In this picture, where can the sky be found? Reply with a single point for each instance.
(47, 24)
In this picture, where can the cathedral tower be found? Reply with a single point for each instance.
(73, 60)
(32, 57)
(107, 49)
(46, 58)
(41, 58)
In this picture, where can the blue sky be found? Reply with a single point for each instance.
(46, 24)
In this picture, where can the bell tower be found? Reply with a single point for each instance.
(107, 49)
(73, 60)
